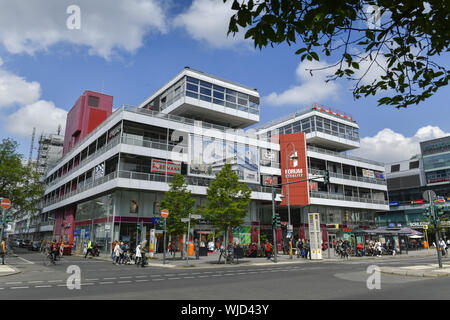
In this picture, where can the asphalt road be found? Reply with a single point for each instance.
(346, 280)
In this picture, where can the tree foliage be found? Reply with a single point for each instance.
(400, 37)
(178, 200)
(18, 182)
(227, 200)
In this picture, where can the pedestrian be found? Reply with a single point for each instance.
(117, 252)
(113, 245)
(143, 250)
(3, 250)
(268, 253)
(123, 250)
(299, 246)
(308, 250)
(443, 248)
(138, 254)
(196, 249)
(89, 249)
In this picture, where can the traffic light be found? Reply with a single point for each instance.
(427, 212)
(326, 177)
(8, 217)
(139, 226)
(276, 221)
(439, 210)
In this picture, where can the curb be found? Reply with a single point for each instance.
(16, 271)
(414, 273)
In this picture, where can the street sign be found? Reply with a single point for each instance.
(6, 203)
(290, 228)
(164, 213)
(196, 216)
(185, 219)
(429, 195)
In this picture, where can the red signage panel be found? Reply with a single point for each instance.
(294, 167)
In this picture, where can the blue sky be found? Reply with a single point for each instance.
(130, 51)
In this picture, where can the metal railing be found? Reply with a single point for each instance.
(341, 155)
(334, 196)
(348, 177)
(193, 181)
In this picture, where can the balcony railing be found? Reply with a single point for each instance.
(341, 155)
(193, 181)
(334, 196)
(348, 177)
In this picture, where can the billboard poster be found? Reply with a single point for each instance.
(295, 168)
(163, 166)
(368, 173)
(208, 155)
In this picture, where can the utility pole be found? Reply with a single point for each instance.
(438, 244)
(273, 229)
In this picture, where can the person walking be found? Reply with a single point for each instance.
(117, 252)
(3, 250)
(308, 250)
(138, 258)
(113, 246)
(143, 249)
(268, 253)
(196, 249)
(443, 247)
(299, 246)
(89, 249)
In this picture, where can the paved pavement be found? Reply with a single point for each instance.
(425, 270)
(212, 260)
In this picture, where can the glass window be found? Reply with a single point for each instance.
(219, 95)
(231, 98)
(231, 105)
(192, 95)
(206, 84)
(190, 79)
(296, 127)
(217, 101)
(242, 102)
(242, 96)
(205, 98)
(191, 87)
(231, 92)
(217, 88)
(243, 108)
(205, 91)
(395, 168)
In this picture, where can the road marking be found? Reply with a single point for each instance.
(142, 280)
(173, 278)
(125, 277)
(20, 287)
(109, 278)
(40, 281)
(141, 276)
(50, 281)
(87, 284)
(107, 282)
(124, 281)
(189, 278)
(27, 261)
(157, 279)
(19, 282)
(91, 279)
(45, 286)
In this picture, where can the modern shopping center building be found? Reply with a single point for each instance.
(118, 165)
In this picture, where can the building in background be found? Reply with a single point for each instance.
(319, 137)
(115, 172)
(50, 150)
(409, 179)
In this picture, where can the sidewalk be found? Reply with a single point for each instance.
(212, 259)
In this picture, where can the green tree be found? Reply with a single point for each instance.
(178, 200)
(403, 38)
(227, 201)
(18, 182)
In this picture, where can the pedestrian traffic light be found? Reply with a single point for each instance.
(326, 177)
(276, 221)
(439, 210)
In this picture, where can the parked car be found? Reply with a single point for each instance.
(16, 243)
(26, 243)
(35, 246)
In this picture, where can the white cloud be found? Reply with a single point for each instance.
(311, 88)
(106, 25)
(208, 20)
(17, 90)
(42, 114)
(29, 110)
(388, 146)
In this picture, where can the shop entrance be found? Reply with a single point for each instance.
(331, 240)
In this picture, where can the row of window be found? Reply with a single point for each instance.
(316, 123)
(209, 92)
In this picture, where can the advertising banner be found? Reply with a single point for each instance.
(163, 166)
(368, 173)
(315, 236)
(293, 148)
